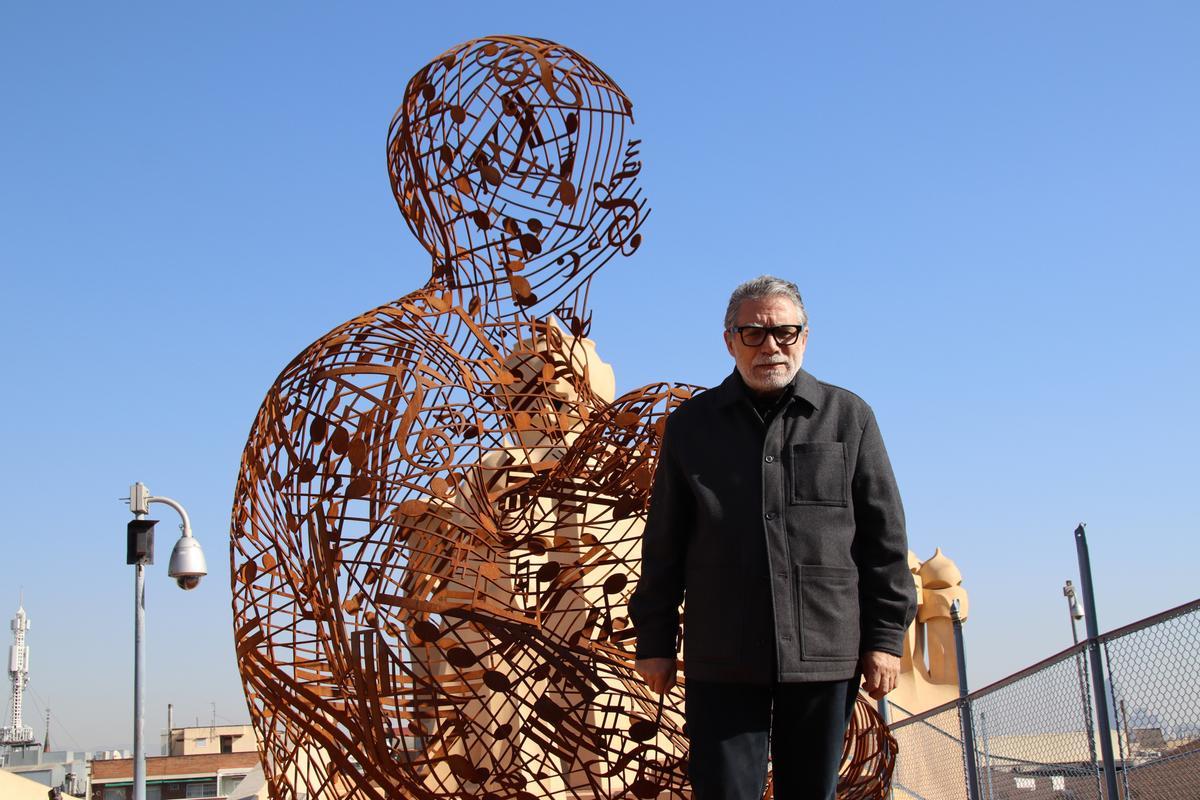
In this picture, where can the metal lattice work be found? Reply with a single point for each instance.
(868, 757)
(438, 513)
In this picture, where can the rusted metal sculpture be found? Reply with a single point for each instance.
(438, 512)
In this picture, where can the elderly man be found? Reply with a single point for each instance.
(775, 512)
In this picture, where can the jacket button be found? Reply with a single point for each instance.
(769, 515)
(769, 459)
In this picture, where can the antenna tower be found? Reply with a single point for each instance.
(17, 733)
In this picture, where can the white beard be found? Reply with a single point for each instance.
(774, 380)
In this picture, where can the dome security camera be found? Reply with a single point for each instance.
(187, 563)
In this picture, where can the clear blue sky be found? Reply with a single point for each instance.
(990, 208)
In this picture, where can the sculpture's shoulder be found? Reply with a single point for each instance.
(415, 364)
(422, 325)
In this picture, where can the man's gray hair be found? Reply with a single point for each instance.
(761, 287)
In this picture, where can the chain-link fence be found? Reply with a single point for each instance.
(1153, 671)
(1036, 734)
(940, 772)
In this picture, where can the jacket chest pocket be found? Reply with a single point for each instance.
(817, 474)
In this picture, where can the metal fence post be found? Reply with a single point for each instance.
(1085, 706)
(1123, 724)
(964, 705)
(1093, 645)
(885, 714)
(987, 759)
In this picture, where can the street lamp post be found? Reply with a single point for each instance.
(187, 567)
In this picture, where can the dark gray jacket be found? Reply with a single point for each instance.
(786, 536)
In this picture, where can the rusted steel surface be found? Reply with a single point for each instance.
(437, 517)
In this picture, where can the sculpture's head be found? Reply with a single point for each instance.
(509, 161)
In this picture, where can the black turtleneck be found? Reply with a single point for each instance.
(767, 405)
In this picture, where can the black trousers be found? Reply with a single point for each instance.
(732, 727)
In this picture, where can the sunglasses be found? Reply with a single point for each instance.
(754, 335)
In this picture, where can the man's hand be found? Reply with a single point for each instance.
(659, 673)
(880, 671)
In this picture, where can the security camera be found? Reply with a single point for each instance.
(188, 582)
(187, 563)
(1073, 601)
